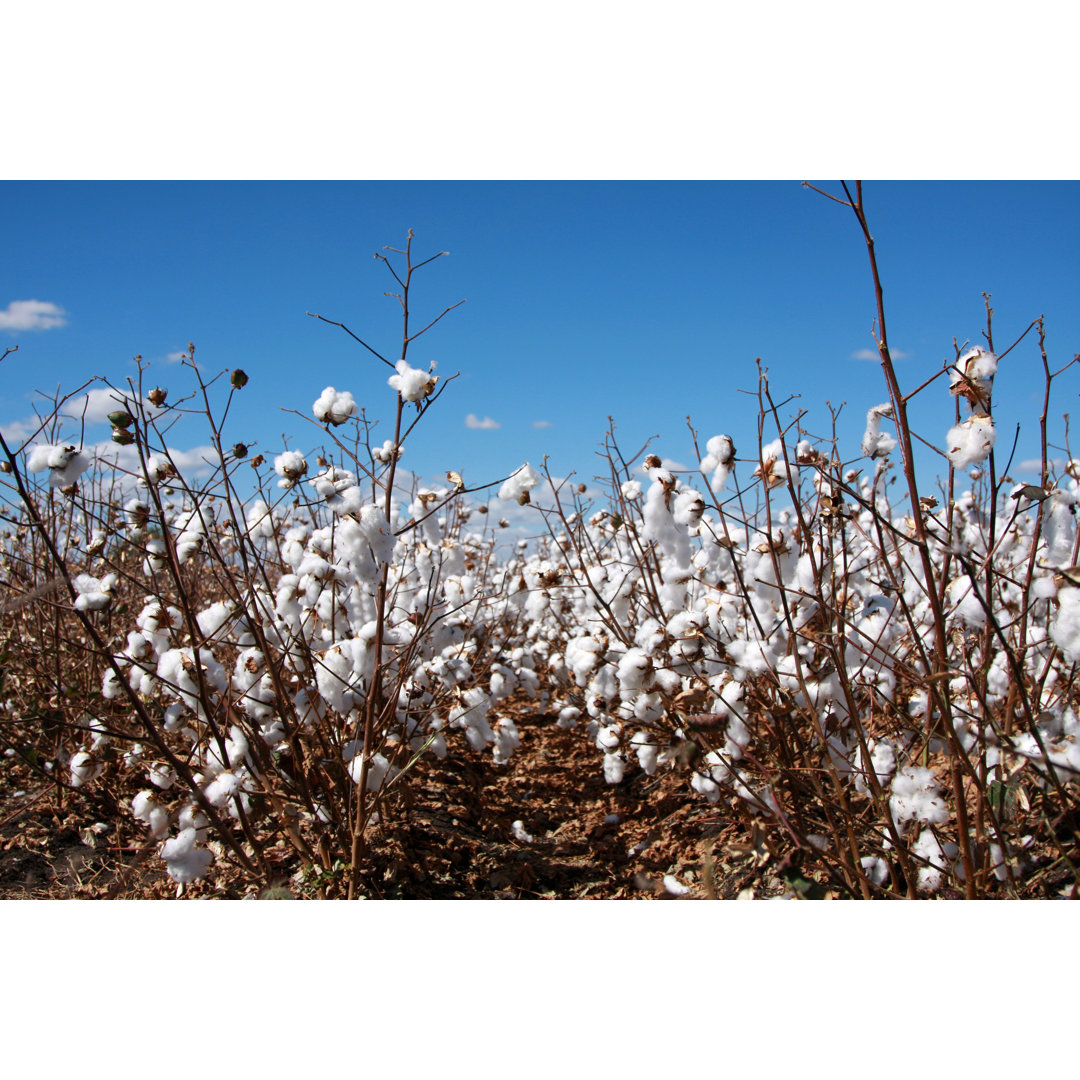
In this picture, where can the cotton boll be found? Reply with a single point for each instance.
(916, 796)
(517, 830)
(631, 490)
(290, 466)
(146, 808)
(518, 486)
(568, 717)
(971, 441)
(928, 847)
(674, 887)
(334, 407)
(507, 740)
(876, 869)
(185, 862)
(877, 443)
(614, 767)
(412, 383)
(644, 745)
(718, 460)
(773, 468)
(94, 594)
(85, 767)
(1065, 628)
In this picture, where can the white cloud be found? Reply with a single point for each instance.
(32, 315)
(541, 423)
(174, 357)
(487, 424)
(1034, 465)
(95, 405)
(872, 354)
(18, 431)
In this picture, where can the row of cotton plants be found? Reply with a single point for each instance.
(792, 657)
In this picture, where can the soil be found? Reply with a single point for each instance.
(451, 837)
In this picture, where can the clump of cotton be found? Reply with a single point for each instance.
(94, 594)
(875, 442)
(773, 468)
(146, 807)
(65, 463)
(517, 487)
(1065, 629)
(387, 452)
(185, 862)
(333, 407)
(916, 796)
(290, 466)
(970, 441)
(412, 383)
(631, 490)
(85, 767)
(719, 459)
(517, 830)
(972, 377)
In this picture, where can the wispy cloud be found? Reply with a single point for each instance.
(487, 424)
(95, 405)
(872, 354)
(1034, 465)
(541, 423)
(32, 315)
(174, 357)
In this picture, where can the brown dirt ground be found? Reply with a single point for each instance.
(449, 837)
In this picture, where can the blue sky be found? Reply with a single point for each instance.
(642, 301)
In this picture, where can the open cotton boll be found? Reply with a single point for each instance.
(334, 407)
(146, 808)
(94, 594)
(875, 442)
(85, 767)
(631, 490)
(773, 468)
(386, 453)
(719, 458)
(916, 796)
(1065, 629)
(412, 383)
(518, 486)
(929, 848)
(972, 377)
(517, 830)
(644, 745)
(675, 887)
(971, 441)
(290, 466)
(184, 861)
(65, 463)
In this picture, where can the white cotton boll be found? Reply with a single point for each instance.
(876, 869)
(386, 453)
(94, 594)
(84, 767)
(377, 532)
(634, 670)
(718, 460)
(185, 862)
(968, 609)
(644, 745)
(772, 468)
(631, 490)
(412, 383)
(334, 407)
(973, 377)
(161, 774)
(877, 443)
(927, 847)
(507, 740)
(290, 466)
(212, 619)
(916, 796)
(222, 788)
(1065, 629)
(517, 830)
(674, 887)
(971, 441)
(518, 486)
(146, 808)
(155, 560)
(568, 717)
(688, 508)
(65, 463)
(614, 767)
